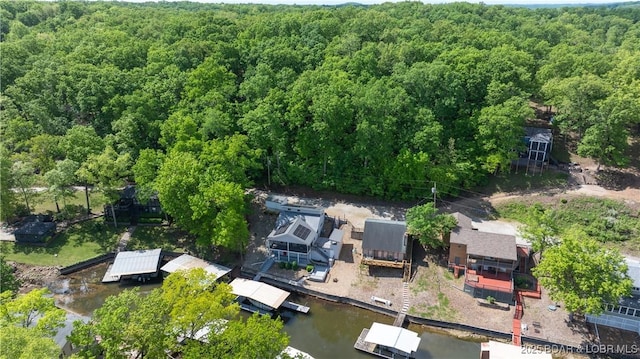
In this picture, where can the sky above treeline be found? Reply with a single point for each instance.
(368, 2)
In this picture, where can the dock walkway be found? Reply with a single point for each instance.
(295, 306)
(108, 278)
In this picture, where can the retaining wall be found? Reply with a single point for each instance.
(88, 263)
(294, 287)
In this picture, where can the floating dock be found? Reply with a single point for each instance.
(295, 306)
(108, 278)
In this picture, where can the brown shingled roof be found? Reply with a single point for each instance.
(486, 244)
(463, 221)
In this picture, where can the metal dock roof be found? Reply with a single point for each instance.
(389, 336)
(260, 292)
(136, 262)
(186, 261)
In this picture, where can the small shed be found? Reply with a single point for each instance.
(142, 264)
(186, 262)
(35, 232)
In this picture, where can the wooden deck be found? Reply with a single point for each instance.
(382, 263)
(295, 306)
(253, 309)
(364, 346)
(399, 319)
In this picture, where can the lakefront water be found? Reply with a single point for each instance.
(328, 331)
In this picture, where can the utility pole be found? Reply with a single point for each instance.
(434, 191)
(269, 170)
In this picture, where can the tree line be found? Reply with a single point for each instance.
(199, 101)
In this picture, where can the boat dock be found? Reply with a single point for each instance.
(362, 345)
(295, 306)
(108, 278)
(388, 341)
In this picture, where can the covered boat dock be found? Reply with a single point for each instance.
(263, 297)
(186, 262)
(388, 341)
(141, 265)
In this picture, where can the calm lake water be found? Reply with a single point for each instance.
(328, 331)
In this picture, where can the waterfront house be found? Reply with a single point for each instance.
(488, 260)
(385, 243)
(626, 313)
(303, 234)
(129, 208)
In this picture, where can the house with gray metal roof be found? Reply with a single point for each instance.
(303, 234)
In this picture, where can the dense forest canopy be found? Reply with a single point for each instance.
(198, 101)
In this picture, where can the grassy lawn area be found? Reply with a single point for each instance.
(79, 242)
(608, 221)
(167, 238)
(516, 182)
(75, 204)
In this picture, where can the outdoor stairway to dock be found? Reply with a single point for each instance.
(517, 320)
(405, 306)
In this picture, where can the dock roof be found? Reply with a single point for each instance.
(136, 262)
(390, 336)
(186, 262)
(499, 350)
(258, 291)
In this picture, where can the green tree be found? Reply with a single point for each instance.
(127, 323)
(107, 171)
(581, 274)
(541, 229)
(24, 177)
(8, 281)
(59, 181)
(258, 337)
(34, 310)
(500, 132)
(25, 343)
(428, 225)
(188, 302)
(7, 195)
(78, 144)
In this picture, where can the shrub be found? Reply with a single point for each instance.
(491, 299)
(294, 265)
(309, 268)
(282, 265)
(288, 265)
